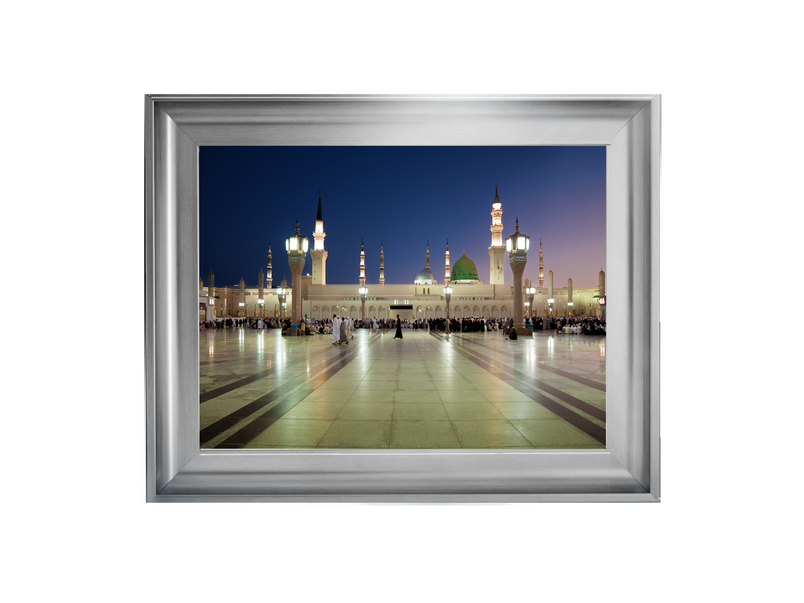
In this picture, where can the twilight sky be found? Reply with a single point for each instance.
(404, 196)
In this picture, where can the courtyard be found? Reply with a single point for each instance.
(466, 391)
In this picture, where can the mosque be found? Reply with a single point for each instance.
(424, 298)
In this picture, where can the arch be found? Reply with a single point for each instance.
(485, 312)
(428, 312)
(315, 313)
(456, 311)
(419, 313)
(382, 312)
(495, 312)
(504, 312)
(467, 312)
(476, 311)
(325, 313)
(352, 312)
(439, 312)
(372, 312)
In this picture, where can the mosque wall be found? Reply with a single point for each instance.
(428, 301)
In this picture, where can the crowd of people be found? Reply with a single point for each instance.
(342, 328)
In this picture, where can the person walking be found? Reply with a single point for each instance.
(344, 330)
(335, 330)
(351, 331)
(398, 334)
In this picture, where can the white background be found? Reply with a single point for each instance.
(76, 525)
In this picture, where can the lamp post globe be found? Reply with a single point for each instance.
(296, 247)
(517, 246)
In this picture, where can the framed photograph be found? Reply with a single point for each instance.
(218, 429)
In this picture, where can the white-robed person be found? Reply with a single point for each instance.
(336, 327)
(350, 328)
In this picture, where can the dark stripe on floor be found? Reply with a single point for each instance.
(594, 411)
(582, 423)
(591, 383)
(267, 419)
(224, 389)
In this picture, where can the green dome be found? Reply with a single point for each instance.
(464, 270)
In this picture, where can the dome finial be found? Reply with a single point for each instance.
(297, 226)
(517, 223)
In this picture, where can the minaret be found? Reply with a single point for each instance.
(550, 284)
(362, 264)
(269, 279)
(211, 284)
(569, 291)
(541, 266)
(427, 260)
(319, 256)
(497, 249)
(447, 275)
(261, 292)
(382, 265)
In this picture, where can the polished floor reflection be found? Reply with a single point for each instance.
(471, 390)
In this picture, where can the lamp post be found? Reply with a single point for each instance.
(531, 291)
(517, 246)
(363, 291)
(280, 293)
(447, 294)
(296, 246)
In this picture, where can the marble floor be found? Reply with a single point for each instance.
(470, 390)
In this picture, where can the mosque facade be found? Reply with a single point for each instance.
(424, 298)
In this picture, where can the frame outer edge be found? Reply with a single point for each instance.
(150, 388)
(655, 379)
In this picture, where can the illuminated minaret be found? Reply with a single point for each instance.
(427, 260)
(541, 266)
(550, 284)
(211, 284)
(362, 264)
(242, 305)
(497, 249)
(260, 292)
(446, 267)
(269, 279)
(382, 265)
(569, 294)
(318, 254)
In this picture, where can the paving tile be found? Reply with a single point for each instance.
(357, 434)
(372, 395)
(488, 434)
(471, 411)
(523, 410)
(462, 396)
(315, 410)
(291, 432)
(426, 397)
(504, 395)
(416, 411)
(553, 432)
(423, 434)
(366, 411)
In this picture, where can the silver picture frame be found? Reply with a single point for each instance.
(179, 471)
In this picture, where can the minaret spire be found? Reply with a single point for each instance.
(541, 265)
(362, 264)
(382, 265)
(269, 278)
(497, 249)
(447, 275)
(427, 262)
(318, 254)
